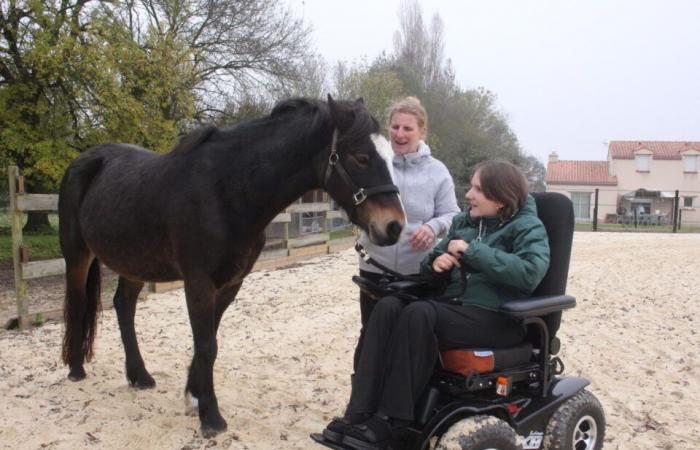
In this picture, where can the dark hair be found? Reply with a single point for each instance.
(502, 182)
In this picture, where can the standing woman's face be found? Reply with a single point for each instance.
(405, 133)
(480, 205)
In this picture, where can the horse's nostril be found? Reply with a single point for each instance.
(393, 230)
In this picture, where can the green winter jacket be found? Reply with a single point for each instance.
(504, 261)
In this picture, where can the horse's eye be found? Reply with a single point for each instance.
(362, 159)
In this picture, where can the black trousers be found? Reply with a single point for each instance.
(366, 306)
(401, 344)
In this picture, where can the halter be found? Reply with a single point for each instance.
(360, 194)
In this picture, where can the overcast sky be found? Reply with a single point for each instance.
(570, 75)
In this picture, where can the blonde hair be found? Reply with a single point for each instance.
(409, 105)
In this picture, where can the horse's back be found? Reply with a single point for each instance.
(113, 197)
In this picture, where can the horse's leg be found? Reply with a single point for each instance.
(223, 298)
(75, 341)
(200, 292)
(125, 304)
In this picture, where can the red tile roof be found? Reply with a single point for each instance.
(660, 149)
(580, 172)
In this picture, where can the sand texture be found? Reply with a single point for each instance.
(285, 351)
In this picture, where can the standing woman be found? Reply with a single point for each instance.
(428, 196)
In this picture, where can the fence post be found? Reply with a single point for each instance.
(676, 204)
(595, 212)
(680, 219)
(16, 225)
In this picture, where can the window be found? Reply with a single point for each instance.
(582, 204)
(690, 163)
(687, 202)
(643, 162)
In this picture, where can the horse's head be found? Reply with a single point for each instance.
(358, 173)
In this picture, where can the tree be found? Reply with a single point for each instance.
(39, 111)
(74, 73)
(465, 127)
(378, 84)
(535, 173)
(237, 46)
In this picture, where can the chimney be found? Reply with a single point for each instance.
(553, 157)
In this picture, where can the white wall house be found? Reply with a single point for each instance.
(638, 178)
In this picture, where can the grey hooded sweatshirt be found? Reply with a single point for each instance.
(428, 196)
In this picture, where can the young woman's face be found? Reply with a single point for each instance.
(405, 133)
(480, 205)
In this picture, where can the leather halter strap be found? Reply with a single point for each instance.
(360, 193)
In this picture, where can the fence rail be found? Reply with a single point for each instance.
(294, 248)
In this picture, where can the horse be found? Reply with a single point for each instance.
(198, 213)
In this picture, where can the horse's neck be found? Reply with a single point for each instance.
(286, 173)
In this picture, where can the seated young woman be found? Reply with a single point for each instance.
(503, 245)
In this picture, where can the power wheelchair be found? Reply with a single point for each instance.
(514, 398)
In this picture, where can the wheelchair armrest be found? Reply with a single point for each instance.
(408, 285)
(369, 287)
(537, 306)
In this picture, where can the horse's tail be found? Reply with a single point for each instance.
(83, 330)
(82, 299)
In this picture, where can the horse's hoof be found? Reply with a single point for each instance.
(143, 380)
(76, 374)
(211, 430)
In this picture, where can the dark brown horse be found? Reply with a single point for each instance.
(199, 213)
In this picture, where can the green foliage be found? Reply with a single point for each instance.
(141, 93)
(377, 84)
(75, 73)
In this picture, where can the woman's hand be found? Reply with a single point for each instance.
(423, 238)
(457, 247)
(445, 262)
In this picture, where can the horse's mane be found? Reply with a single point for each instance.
(195, 138)
(362, 123)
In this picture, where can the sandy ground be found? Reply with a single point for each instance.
(285, 351)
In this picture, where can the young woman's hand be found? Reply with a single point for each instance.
(445, 262)
(457, 247)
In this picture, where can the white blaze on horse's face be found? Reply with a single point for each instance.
(382, 216)
(384, 149)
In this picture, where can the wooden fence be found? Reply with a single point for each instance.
(292, 249)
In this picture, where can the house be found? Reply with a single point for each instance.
(639, 179)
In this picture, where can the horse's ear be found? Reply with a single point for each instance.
(360, 101)
(341, 117)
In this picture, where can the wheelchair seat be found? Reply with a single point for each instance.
(467, 361)
(484, 360)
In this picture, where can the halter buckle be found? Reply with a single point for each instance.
(359, 196)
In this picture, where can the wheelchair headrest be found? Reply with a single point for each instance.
(556, 212)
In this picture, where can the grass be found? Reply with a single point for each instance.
(39, 246)
(342, 233)
(42, 245)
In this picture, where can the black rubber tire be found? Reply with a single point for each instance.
(479, 433)
(578, 424)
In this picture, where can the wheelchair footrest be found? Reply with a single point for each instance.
(320, 439)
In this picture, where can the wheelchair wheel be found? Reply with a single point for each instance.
(479, 433)
(578, 424)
